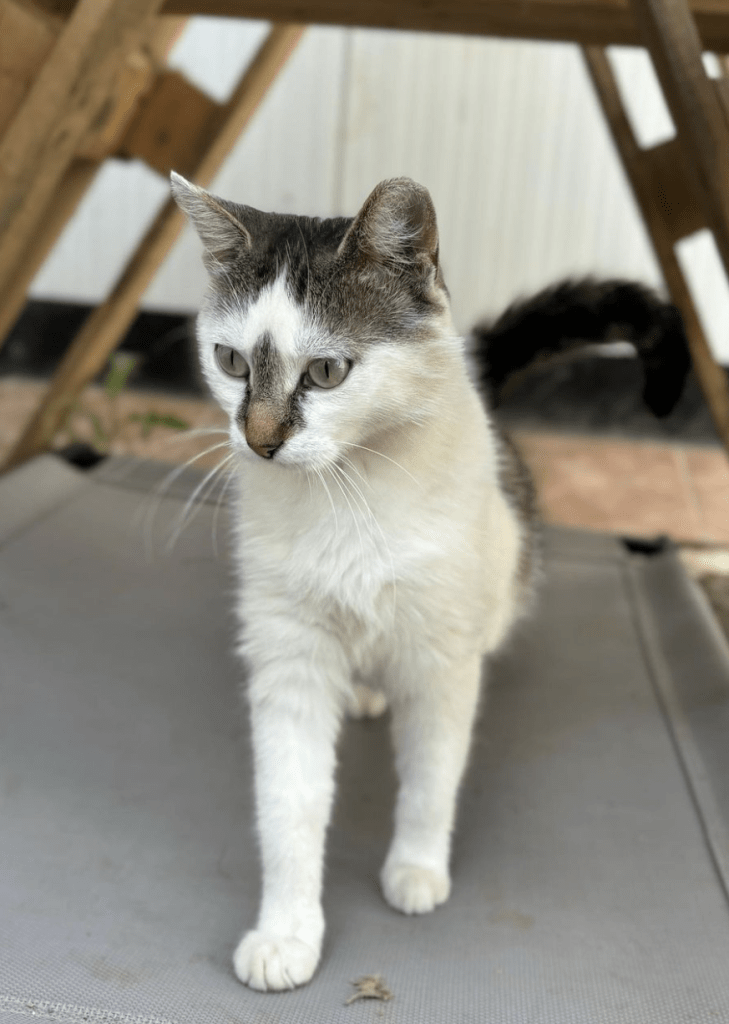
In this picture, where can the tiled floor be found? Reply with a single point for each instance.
(639, 488)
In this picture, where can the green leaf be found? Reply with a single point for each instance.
(148, 420)
(121, 366)
(173, 422)
(101, 438)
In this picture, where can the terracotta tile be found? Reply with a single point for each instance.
(709, 470)
(620, 486)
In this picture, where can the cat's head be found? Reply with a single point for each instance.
(319, 335)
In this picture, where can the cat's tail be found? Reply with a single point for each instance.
(577, 313)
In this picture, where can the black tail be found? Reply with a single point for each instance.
(571, 314)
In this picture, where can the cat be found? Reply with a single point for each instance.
(384, 533)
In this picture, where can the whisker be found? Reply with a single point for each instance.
(375, 522)
(331, 502)
(156, 496)
(352, 466)
(350, 444)
(226, 485)
(182, 518)
(355, 517)
(186, 435)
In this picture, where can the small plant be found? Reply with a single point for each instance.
(108, 425)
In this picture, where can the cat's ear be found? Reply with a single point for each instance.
(218, 222)
(396, 227)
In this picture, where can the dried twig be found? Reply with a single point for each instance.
(370, 986)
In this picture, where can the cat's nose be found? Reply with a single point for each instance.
(264, 430)
(264, 450)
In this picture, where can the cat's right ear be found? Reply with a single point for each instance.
(396, 228)
(217, 222)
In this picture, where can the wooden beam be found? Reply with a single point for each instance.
(711, 376)
(138, 76)
(673, 41)
(588, 22)
(670, 186)
(579, 21)
(174, 126)
(68, 195)
(105, 326)
(27, 38)
(63, 101)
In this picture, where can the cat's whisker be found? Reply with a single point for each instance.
(331, 500)
(352, 509)
(186, 435)
(350, 444)
(229, 476)
(146, 517)
(352, 466)
(199, 496)
(184, 518)
(373, 519)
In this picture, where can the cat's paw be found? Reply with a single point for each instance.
(366, 702)
(412, 889)
(272, 963)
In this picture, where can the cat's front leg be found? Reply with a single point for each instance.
(432, 720)
(294, 721)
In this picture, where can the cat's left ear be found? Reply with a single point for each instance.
(396, 228)
(219, 223)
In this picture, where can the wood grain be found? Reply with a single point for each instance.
(174, 126)
(66, 95)
(68, 195)
(675, 47)
(711, 376)
(579, 21)
(108, 322)
(26, 39)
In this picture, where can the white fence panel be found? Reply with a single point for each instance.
(507, 135)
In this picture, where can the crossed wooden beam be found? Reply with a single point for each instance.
(102, 89)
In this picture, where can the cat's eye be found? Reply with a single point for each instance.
(327, 373)
(231, 362)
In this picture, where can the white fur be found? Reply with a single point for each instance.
(395, 568)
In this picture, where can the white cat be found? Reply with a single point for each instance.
(383, 533)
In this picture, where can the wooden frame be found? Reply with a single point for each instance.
(102, 330)
(680, 186)
(589, 22)
(137, 76)
(664, 189)
(65, 98)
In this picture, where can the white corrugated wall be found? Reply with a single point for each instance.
(507, 136)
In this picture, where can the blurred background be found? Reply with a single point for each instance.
(509, 138)
(507, 135)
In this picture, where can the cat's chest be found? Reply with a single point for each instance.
(341, 551)
(348, 556)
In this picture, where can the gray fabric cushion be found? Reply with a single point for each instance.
(587, 862)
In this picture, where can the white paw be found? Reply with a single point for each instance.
(412, 889)
(366, 702)
(271, 963)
